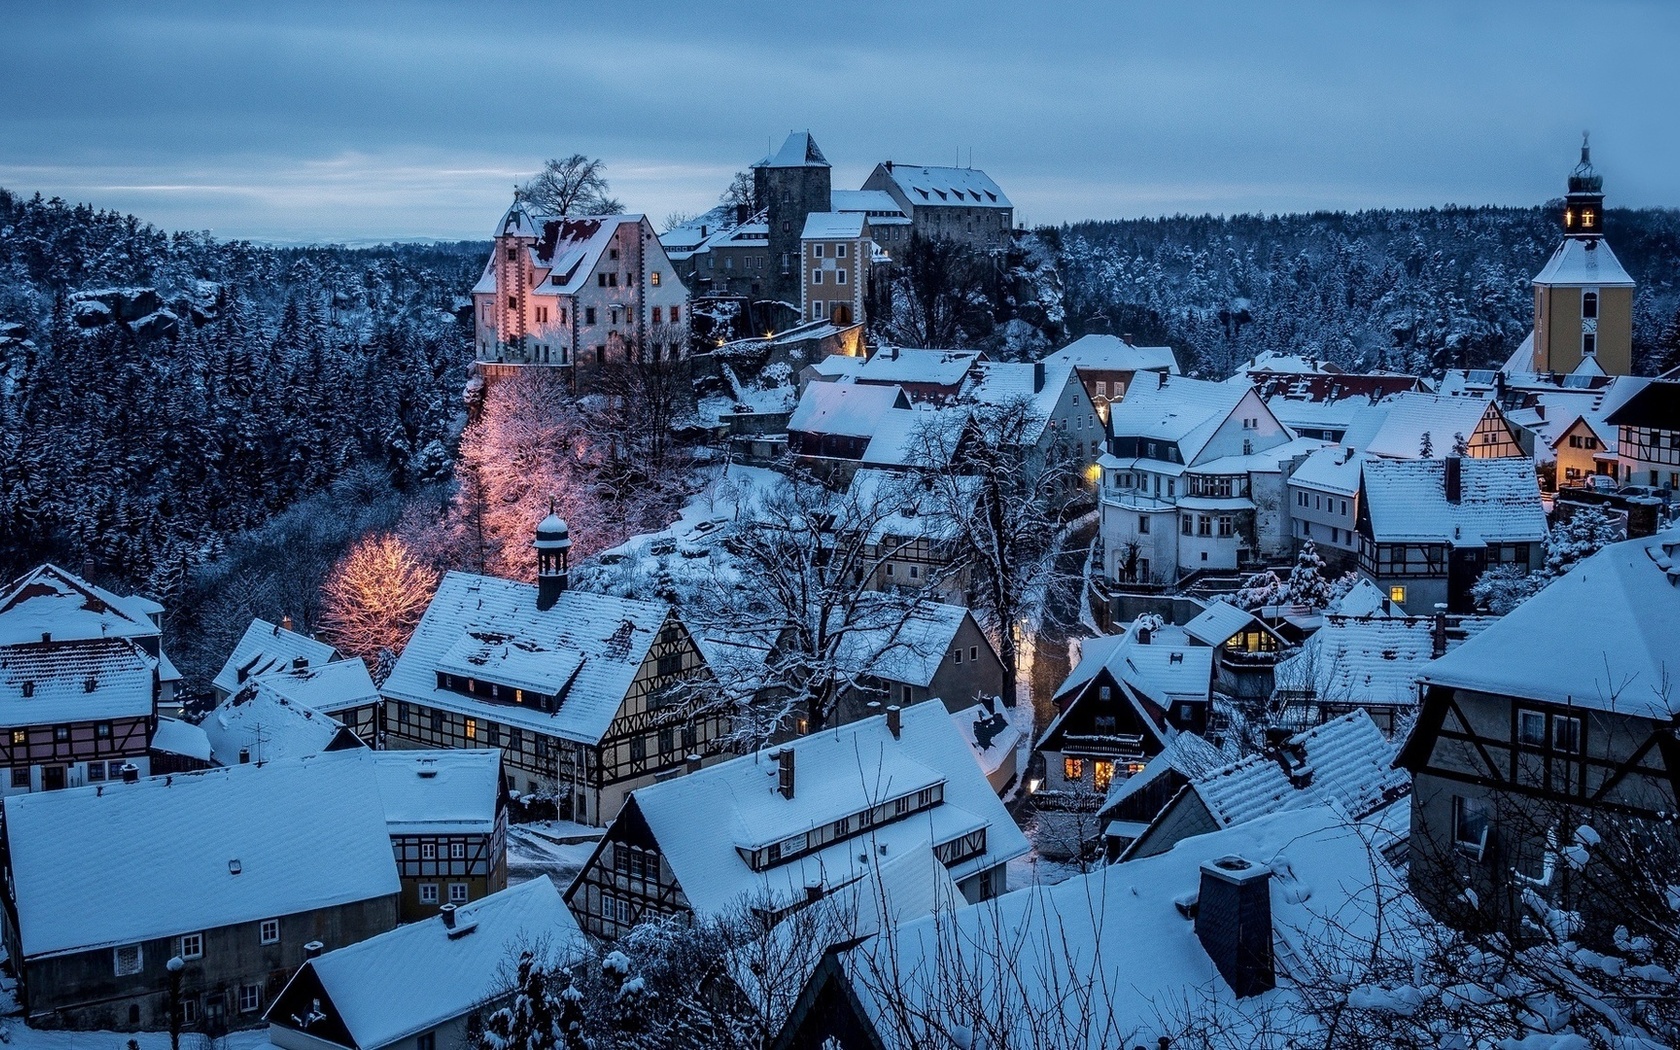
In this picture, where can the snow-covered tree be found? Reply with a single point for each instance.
(1426, 446)
(375, 596)
(1503, 587)
(1262, 588)
(1307, 585)
(539, 1016)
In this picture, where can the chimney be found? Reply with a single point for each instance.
(46, 637)
(130, 773)
(1143, 635)
(784, 771)
(313, 950)
(894, 722)
(1438, 648)
(813, 891)
(691, 764)
(892, 353)
(1455, 479)
(1127, 339)
(1234, 923)
(286, 622)
(299, 662)
(1160, 379)
(448, 913)
(244, 756)
(1038, 376)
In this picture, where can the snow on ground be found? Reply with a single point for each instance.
(14, 1033)
(556, 848)
(1030, 868)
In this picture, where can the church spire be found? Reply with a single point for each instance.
(1583, 207)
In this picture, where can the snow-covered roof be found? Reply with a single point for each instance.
(907, 649)
(915, 437)
(606, 637)
(1364, 598)
(833, 226)
(1601, 636)
(1370, 658)
(1179, 409)
(1587, 263)
(120, 863)
(1306, 414)
(1499, 501)
(177, 737)
(48, 600)
(1267, 460)
(1170, 666)
(1005, 382)
(879, 204)
(565, 253)
(1110, 353)
(267, 647)
(1334, 468)
(266, 726)
(1120, 929)
(893, 364)
(838, 773)
(904, 506)
(450, 791)
(1656, 405)
(418, 976)
(1003, 736)
(1216, 624)
(1346, 761)
(847, 409)
(74, 681)
(1394, 428)
(799, 150)
(328, 688)
(1187, 754)
(931, 187)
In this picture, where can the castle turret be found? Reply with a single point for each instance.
(504, 315)
(793, 182)
(1583, 298)
(554, 546)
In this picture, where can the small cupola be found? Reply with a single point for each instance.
(554, 547)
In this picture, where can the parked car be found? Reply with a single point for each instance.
(1599, 483)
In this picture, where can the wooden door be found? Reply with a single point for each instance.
(52, 778)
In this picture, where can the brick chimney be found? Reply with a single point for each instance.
(448, 913)
(691, 764)
(1234, 923)
(1454, 478)
(1038, 376)
(313, 950)
(784, 771)
(894, 722)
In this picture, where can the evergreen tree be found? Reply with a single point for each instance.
(1307, 585)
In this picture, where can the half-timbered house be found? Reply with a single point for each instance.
(82, 675)
(261, 723)
(578, 690)
(447, 815)
(1648, 436)
(268, 647)
(778, 829)
(1559, 714)
(236, 871)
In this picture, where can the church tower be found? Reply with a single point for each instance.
(792, 183)
(554, 548)
(1583, 298)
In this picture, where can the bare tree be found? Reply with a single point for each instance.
(375, 596)
(574, 185)
(742, 193)
(938, 294)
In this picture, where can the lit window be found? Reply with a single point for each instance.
(20, 736)
(1073, 769)
(192, 946)
(1397, 595)
(1586, 216)
(1104, 773)
(472, 729)
(653, 278)
(270, 931)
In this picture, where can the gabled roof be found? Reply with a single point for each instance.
(915, 437)
(1588, 263)
(264, 725)
(50, 601)
(606, 637)
(873, 202)
(74, 681)
(910, 649)
(1394, 428)
(1656, 406)
(933, 187)
(901, 505)
(328, 688)
(1364, 598)
(119, 863)
(1168, 667)
(1110, 353)
(846, 409)
(437, 792)
(1178, 409)
(1121, 930)
(1005, 382)
(418, 976)
(1335, 468)
(1602, 636)
(1216, 624)
(838, 773)
(893, 364)
(568, 248)
(799, 150)
(1499, 501)
(1001, 734)
(1374, 658)
(1346, 761)
(833, 226)
(267, 647)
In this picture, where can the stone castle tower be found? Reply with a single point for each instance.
(792, 183)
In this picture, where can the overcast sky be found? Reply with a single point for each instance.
(350, 120)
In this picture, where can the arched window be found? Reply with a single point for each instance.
(1589, 304)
